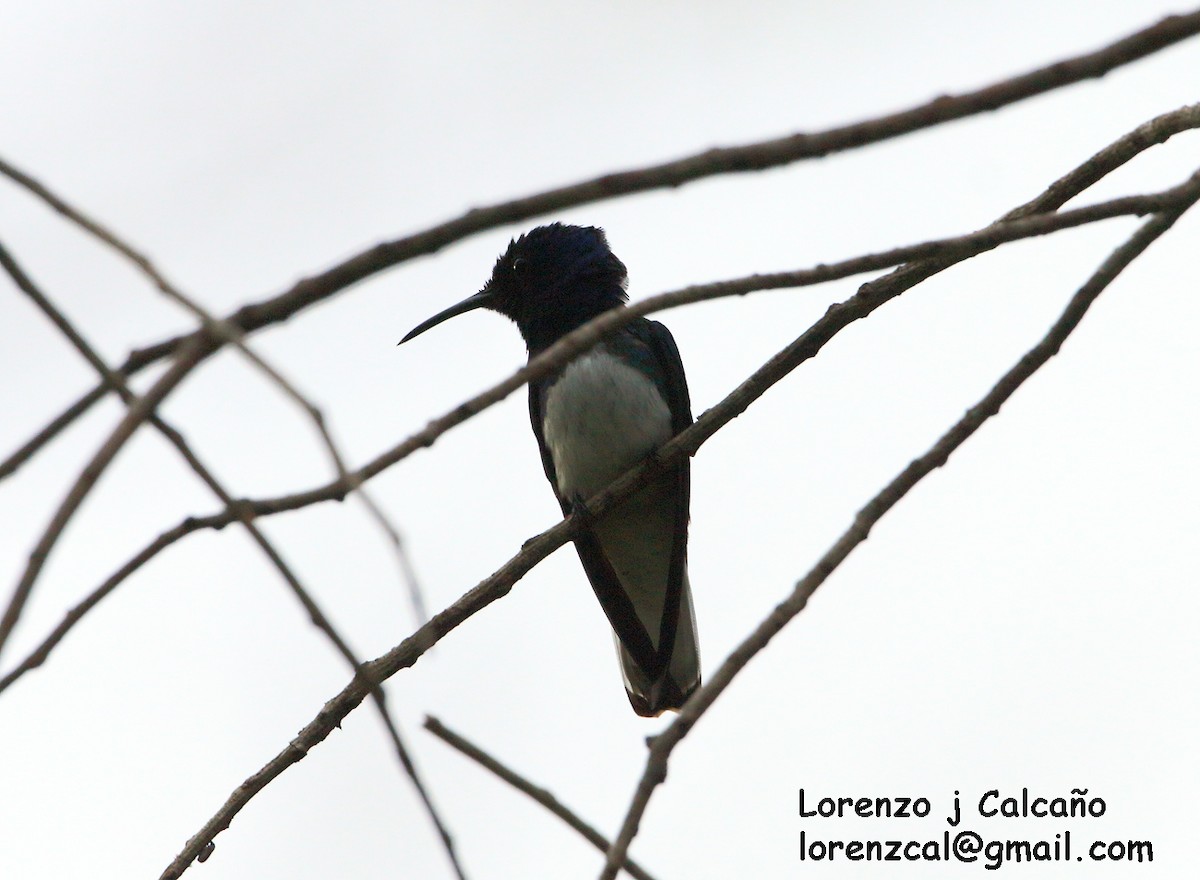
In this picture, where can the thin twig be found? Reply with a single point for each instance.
(724, 160)
(1080, 178)
(1149, 134)
(885, 500)
(26, 284)
(539, 794)
(869, 297)
(51, 429)
(233, 335)
(139, 410)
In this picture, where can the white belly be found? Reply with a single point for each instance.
(602, 417)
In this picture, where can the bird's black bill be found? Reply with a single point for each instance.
(477, 301)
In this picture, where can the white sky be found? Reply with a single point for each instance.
(1024, 619)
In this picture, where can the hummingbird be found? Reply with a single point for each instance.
(594, 419)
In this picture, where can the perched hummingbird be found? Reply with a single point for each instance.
(594, 419)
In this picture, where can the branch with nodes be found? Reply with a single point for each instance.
(319, 618)
(228, 333)
(536, 792)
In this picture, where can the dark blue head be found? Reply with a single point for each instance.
(550, 280)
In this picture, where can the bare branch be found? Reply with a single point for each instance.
(539, 794)
(50, 430)
(1149, 134)
(93, 227)
(173, 435)
(411, 770)
(725, 160)
(226, 332)
(140, 409)
(1112, 157)
(885, 500)
(77, 613)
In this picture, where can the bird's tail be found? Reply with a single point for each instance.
(682, 676)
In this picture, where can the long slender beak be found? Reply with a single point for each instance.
(478, 300)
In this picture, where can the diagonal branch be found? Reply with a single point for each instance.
(539, 794)
(663, 744)
(723, 160)
(1149, 134)
(173, 436)
(226, 332)
(140, 409)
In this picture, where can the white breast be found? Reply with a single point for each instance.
(602, 417)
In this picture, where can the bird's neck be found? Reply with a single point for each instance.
(552, 320)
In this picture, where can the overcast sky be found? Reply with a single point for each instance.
(1025, 618)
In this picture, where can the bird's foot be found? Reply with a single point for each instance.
(579, 509)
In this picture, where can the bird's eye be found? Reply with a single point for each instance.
(520, 266)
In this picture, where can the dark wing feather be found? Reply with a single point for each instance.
(674, 386)
(537, 402)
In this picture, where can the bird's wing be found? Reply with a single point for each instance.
(537, 405)
(673, 383)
